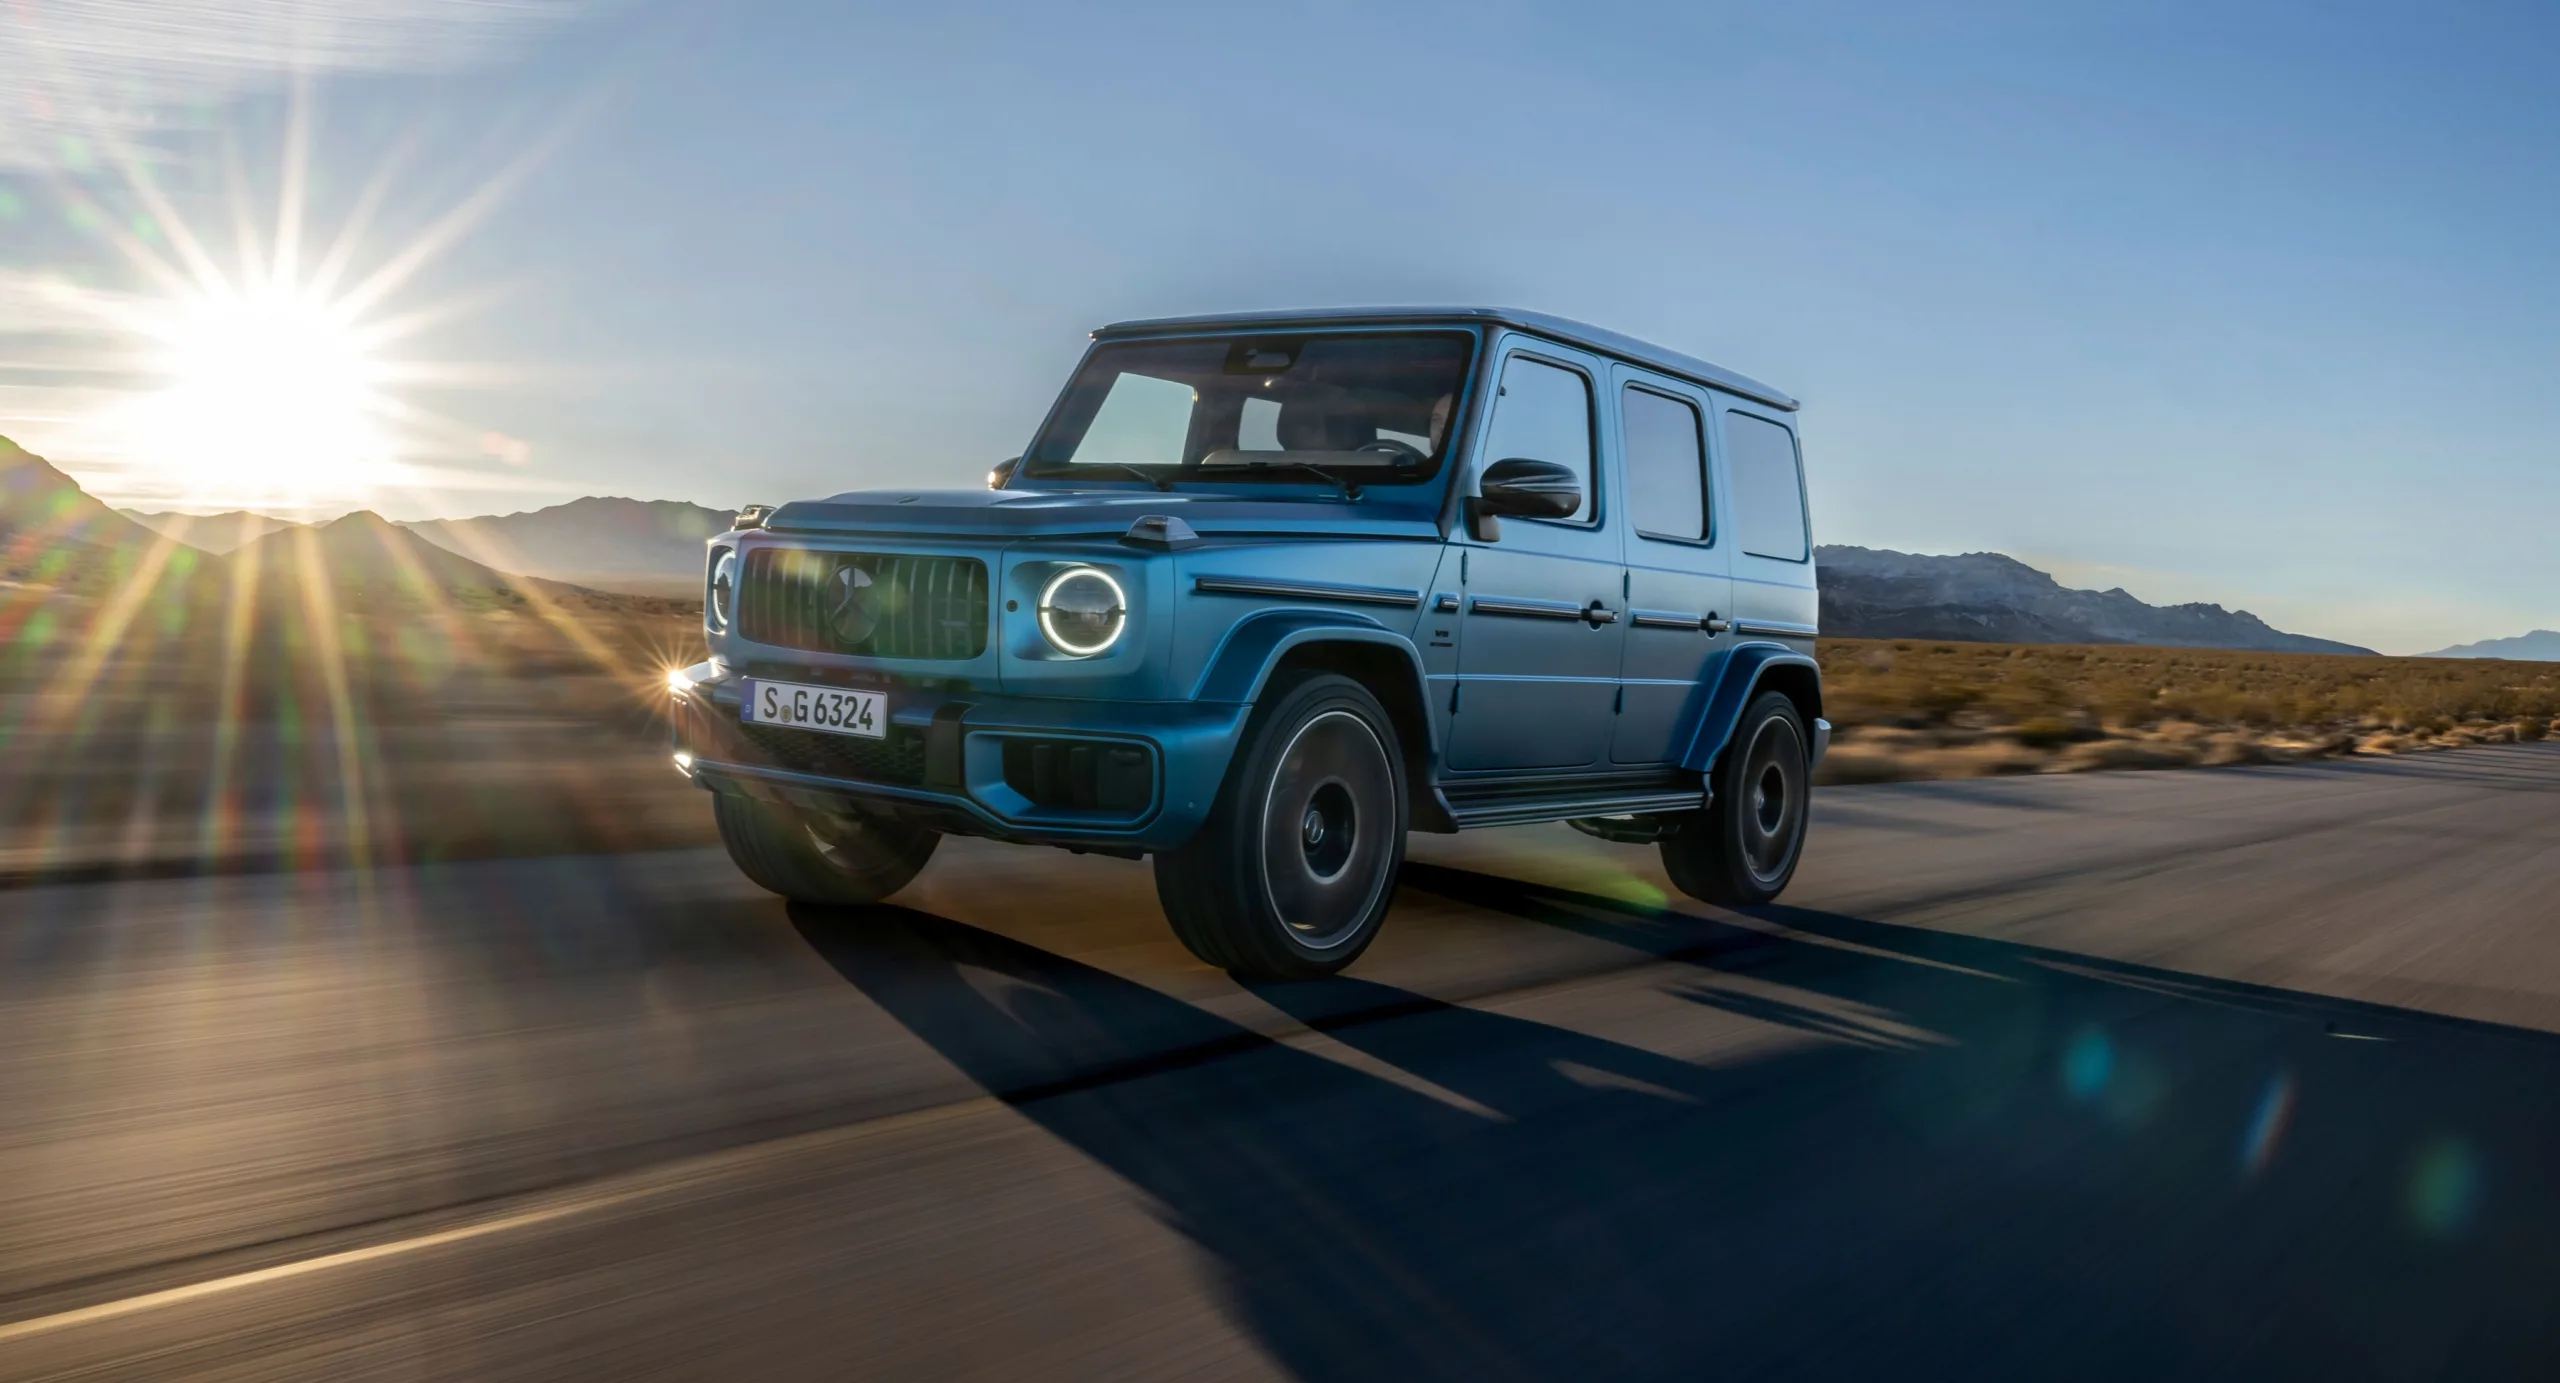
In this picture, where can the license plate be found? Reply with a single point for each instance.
(836, 710)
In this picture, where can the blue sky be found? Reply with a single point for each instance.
(2254, 304)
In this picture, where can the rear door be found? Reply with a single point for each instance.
(1541, 607)
(1679, 588)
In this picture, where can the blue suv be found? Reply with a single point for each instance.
(1266, 592)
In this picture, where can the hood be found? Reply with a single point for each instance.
(1087, 513)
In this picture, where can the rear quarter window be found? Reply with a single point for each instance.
(1768, 488)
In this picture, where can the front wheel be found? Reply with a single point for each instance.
(809, 858)
(1743, 848)
(1294, 869)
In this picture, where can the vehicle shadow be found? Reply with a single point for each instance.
(1966, 1158)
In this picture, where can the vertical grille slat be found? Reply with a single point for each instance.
(921, 607)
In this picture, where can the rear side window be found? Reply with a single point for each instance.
(1666, 465)
(1768, 487)
(1544, 413)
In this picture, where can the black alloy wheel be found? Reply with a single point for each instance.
(1742, 850)
(1294, 870)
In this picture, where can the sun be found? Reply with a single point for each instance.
(268, 394)
(279, 372)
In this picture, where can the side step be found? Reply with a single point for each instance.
(1474, 805)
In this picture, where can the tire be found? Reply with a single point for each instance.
(1293, 871)
(1742, 850)
(838, 861)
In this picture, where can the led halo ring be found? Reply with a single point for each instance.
(1119, 612)
(723, 594)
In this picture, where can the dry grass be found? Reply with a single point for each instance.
(398, 731)
(1910, 708)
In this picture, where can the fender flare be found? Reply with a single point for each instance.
(1743, 671)
(1242, 664)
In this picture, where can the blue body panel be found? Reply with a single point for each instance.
(1743, 674)
(1283, 571)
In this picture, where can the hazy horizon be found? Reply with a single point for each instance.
(2250, 306)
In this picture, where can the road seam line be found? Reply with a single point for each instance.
(636, 1185)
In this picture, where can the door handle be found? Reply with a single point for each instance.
(1597, 614)
(1664, 619)
(1524, 609)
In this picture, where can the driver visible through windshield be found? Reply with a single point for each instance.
(1349, 410)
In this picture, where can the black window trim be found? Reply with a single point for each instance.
(1706, 464)
(1512, 350)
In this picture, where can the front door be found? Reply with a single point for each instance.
(1679, 587)
(1541, 609)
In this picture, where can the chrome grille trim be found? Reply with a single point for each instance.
(923, 607)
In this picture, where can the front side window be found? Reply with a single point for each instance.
(1544, 413)
(1375, 408)
(1768, 488)
(1666, 465)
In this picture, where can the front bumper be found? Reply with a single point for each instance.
(1098, 774)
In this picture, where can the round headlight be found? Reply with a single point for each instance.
(1082, 611)
(724, 589)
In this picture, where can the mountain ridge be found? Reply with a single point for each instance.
(586, 540)
(223, 532)
(365, 554)
(1990, 597)
(2534, 646)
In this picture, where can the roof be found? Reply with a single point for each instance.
(1564, 329)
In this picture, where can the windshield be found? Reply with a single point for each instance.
(1361, 408)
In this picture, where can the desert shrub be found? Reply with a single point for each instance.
(1918, 685)
(2533, 728)
(2046, 732)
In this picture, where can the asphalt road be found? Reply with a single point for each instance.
(2246, 1073)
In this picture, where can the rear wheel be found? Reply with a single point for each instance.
(813, 858)
(1294, 869)
(1743, 848)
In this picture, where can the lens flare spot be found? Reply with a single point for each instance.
(2087, 1064)
(1627, 888)
(2445, 1188)
(2266, 1127)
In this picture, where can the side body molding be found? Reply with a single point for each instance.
(1255, 645)
(1744, 670)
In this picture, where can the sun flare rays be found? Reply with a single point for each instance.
(305, 697)
(261, 356)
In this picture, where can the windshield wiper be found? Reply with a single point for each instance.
(1350, 488)
(1160, 482)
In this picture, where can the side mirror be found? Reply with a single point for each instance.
(1002, 472)
(1524, 488)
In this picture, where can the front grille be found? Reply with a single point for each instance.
(897, 760)
(896, 607)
